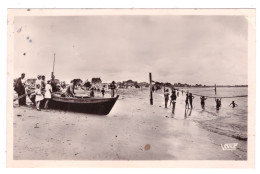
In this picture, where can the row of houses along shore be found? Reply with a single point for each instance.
(96, 83)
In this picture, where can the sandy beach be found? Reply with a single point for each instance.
(134, 130)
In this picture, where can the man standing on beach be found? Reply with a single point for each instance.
(166, 97)
(20, 89)
(187, 101)
(53, 84)
(191, 97)
(173, 100)
(113, 87)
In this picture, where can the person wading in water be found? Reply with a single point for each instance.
(191, 99)
(202, 101)
(187, 101)
(218, 103)
(233, 104)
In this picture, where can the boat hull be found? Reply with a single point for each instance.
(95, 105)
(99, 106)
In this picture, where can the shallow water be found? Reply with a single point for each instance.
(227, 120)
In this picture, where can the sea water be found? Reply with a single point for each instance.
(227, 120)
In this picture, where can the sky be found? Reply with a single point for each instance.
(177, 49)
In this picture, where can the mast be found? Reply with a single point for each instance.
(151, 92)
(52, 74)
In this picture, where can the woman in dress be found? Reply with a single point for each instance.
(39, 96)
(48, 92)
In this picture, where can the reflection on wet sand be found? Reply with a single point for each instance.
(187, 113)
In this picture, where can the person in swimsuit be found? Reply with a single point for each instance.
(191, 99)
(202, 101)
(233, 104)
(187, 101)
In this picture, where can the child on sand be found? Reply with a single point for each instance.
(39, 96)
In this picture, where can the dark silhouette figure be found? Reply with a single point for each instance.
(103, 92)
(20, 89)
(233, 104)
(187, 101)
(92, 94)
(166, 97)
(191, 99)
(202, 101)
(113, 88)
(218, 103)
(173, 100)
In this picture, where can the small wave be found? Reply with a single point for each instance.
(224, 129)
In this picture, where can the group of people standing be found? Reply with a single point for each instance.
(42, 91)
(173, 98)
(189, 100)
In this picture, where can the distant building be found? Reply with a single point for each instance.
(143, 84)
(129, 83)
(96, 81)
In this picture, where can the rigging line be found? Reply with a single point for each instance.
(217, 96)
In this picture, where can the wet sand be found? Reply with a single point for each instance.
(134, 130)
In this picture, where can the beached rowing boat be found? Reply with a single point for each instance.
(95, 105)
(91, 105)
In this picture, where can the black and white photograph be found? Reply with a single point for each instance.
(134, 85)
